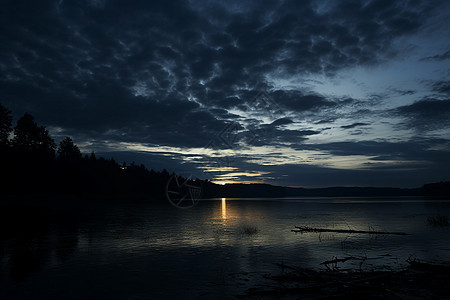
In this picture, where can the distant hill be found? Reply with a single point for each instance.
(440, 189)
(266, 190)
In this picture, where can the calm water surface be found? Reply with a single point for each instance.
(215, 250)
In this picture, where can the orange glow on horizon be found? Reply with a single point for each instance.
(220, 182)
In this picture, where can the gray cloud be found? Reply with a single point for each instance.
(427, 114)
(354, 125)
(282, 121)
(442, 87)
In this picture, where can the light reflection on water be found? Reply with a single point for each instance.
(224, 208)
(147, 250)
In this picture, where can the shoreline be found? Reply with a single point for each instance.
(419, 280)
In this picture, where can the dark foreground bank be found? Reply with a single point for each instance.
(418, 281)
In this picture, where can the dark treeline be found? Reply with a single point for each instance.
(31, 162)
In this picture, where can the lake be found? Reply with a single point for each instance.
(217, 249)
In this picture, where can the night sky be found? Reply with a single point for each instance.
(298, 93)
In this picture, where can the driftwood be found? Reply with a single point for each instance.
(428, 267)
(303, 229)
(338, 260)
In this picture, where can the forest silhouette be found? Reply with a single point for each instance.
(33, 163)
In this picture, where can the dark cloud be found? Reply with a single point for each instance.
(326, 121)
(438, 57)
(404, 92)
(282, 121)
(427, 108)
(172, 46)
(269, 135)
(427, 114)
(442, 87)
(354, 125)
(299, 102)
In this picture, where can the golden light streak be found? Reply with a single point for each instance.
(224, 208)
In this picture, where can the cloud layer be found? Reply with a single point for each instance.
(288, 75)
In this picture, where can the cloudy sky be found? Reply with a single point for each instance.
(299, 93)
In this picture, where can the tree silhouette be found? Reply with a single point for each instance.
(92, 158)
(28, 165)
(29, 138)
(5, 125)
(68, 151)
